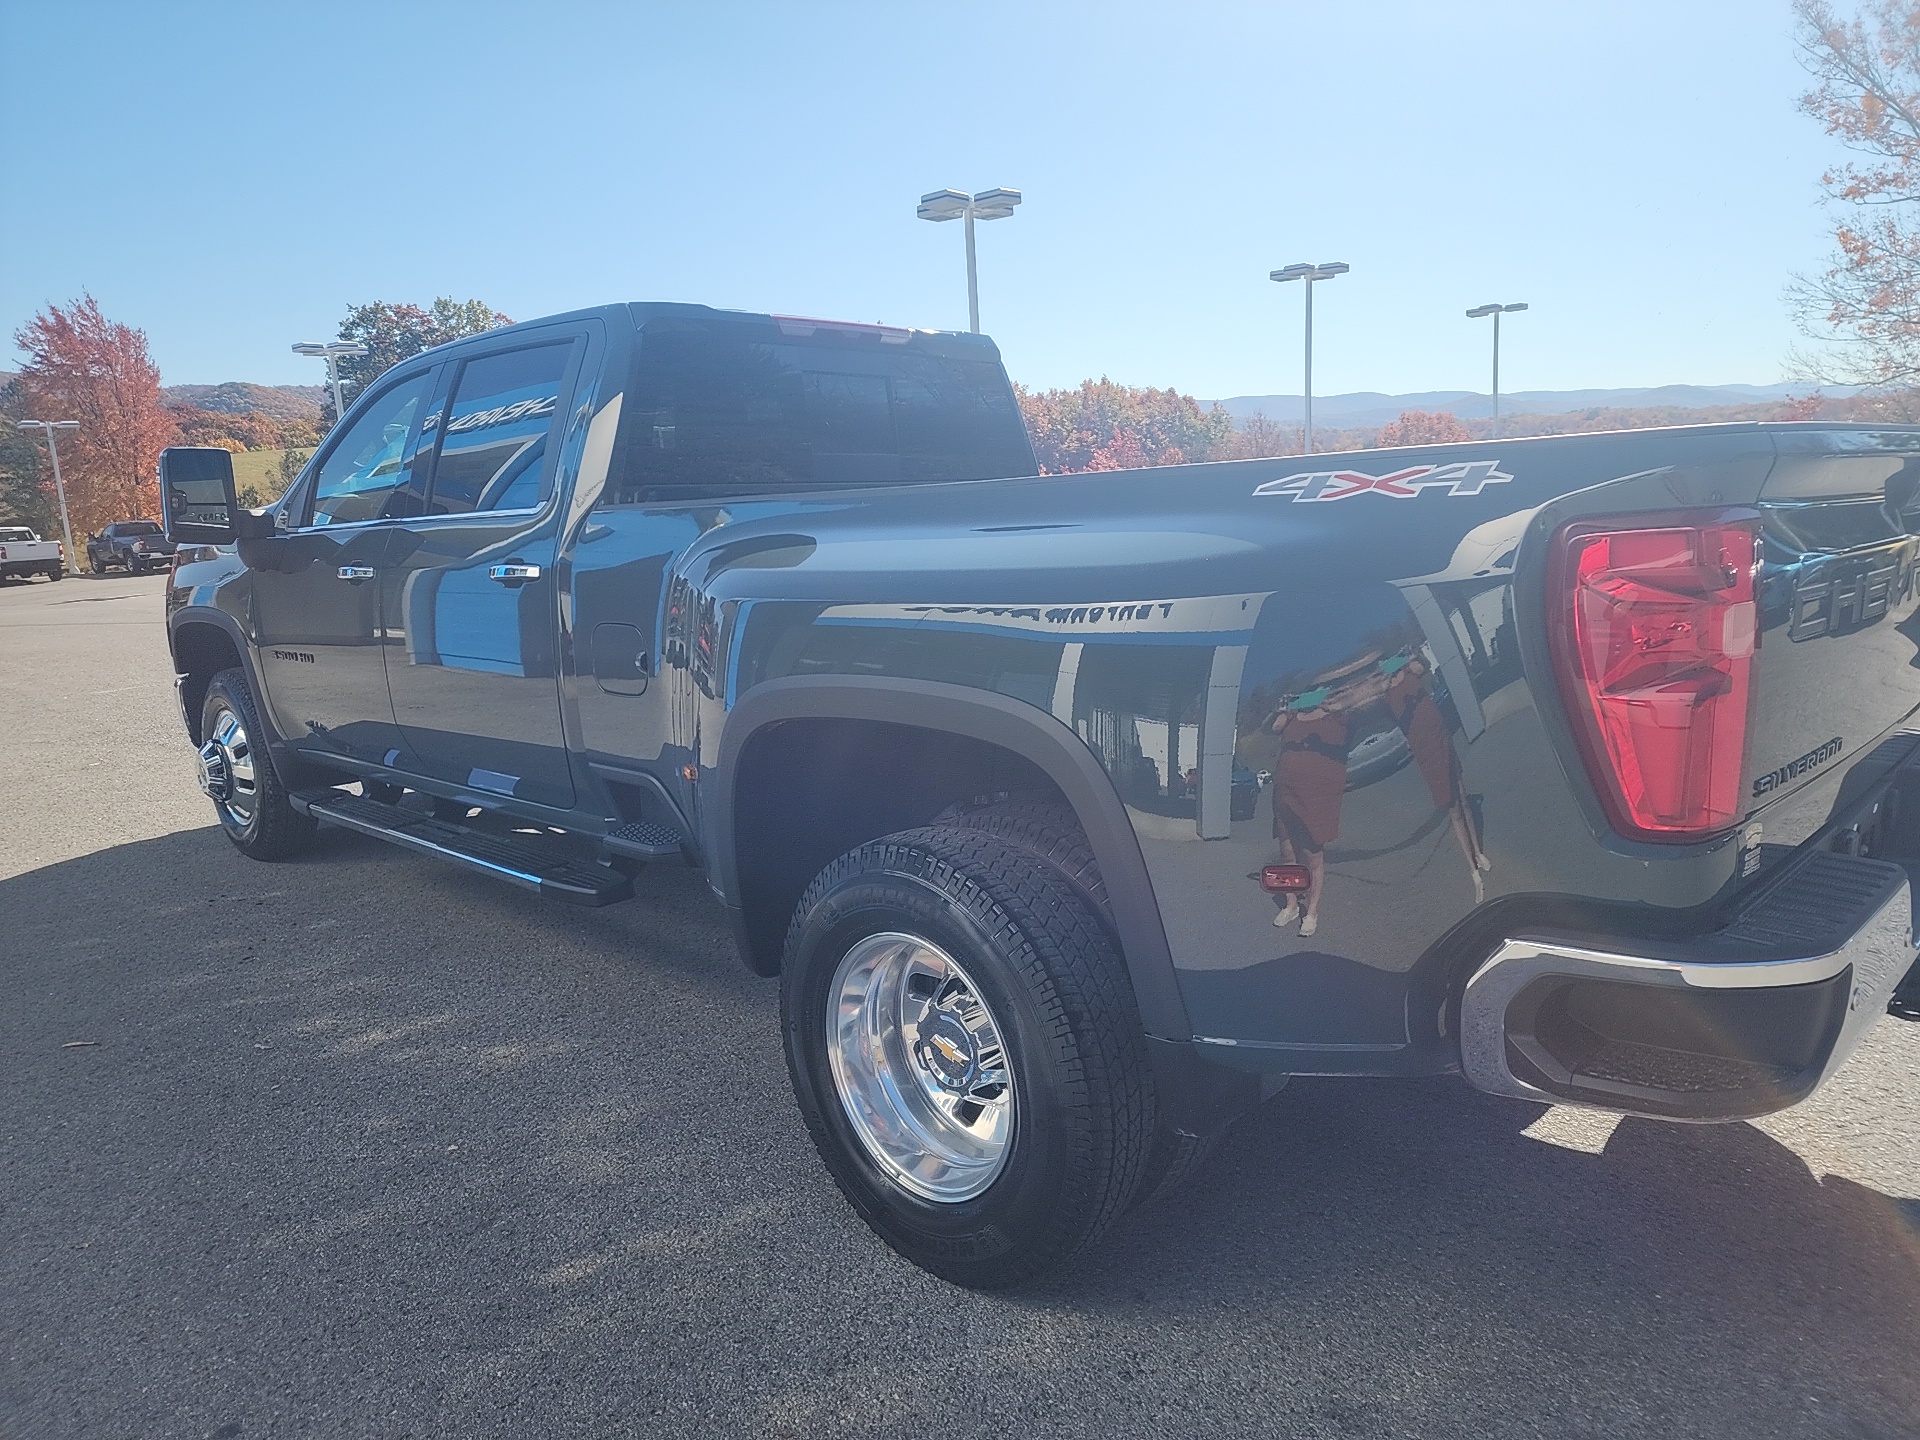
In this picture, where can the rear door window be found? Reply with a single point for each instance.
(496, 444)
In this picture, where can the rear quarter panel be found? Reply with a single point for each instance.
(1171, 618)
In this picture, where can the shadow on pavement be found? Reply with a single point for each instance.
(361, 1144)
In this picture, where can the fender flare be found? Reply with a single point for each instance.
(220, 620)
(992, 719)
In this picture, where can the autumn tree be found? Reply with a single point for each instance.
(82, 366)
(1257, 437)
(1107, 426)
(1866, 71)
(393, 333)
(1423, 427)
(249, 430)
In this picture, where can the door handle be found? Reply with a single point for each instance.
(354, 574)
(513, 574)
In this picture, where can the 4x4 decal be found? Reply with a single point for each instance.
(1465, 477)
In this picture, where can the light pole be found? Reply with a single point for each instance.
(59, 485)
(958, 205)
(1496, 311)
(333, 351)
(1310, 273)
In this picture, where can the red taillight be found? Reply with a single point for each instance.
(1654, 647)
(1284, 879)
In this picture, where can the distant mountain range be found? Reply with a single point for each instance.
(1357, 409)
(237, 397)
(1370, 407)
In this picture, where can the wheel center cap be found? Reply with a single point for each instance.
(215, 776)
(947, 1051)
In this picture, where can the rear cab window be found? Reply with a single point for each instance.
(755, 405)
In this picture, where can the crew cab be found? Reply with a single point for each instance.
(24, 554)
(1077, 813)
(136, 546)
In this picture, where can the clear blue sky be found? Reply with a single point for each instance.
(231, 178)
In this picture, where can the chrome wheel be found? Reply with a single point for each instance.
(920, 1066)
(227, 773)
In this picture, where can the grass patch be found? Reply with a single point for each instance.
(259, 471)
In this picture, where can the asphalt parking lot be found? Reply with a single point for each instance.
(363, 1145)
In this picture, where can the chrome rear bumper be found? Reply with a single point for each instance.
(1741, 1022)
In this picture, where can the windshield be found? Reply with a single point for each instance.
(16, 536)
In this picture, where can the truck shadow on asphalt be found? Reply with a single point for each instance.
(560, 1143)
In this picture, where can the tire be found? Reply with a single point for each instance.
(255, 812)
(1049, 829)
(1022, 983)
(57, 572)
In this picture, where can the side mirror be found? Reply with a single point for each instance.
(197, 496)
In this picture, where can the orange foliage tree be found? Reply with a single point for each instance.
(1107, 426)
(82, 366)
(1866, 72)
(1423, 427)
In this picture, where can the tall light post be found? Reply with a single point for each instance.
(958, 205)
(333, 351)
(1310, 273)
(1496, 311)
(59, 485)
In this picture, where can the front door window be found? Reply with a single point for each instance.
(364, 477)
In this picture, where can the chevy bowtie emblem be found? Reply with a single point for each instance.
(1465, 477)
(947, 1048)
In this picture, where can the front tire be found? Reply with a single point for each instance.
(238, 776)
(966, 1052)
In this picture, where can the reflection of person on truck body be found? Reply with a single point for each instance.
(1310, 776)
(1410, 701)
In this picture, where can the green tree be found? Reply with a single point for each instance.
(26, 480)
(393, 333)
(1103, 425)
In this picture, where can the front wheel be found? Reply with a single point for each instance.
(237, 775)
(967, 1053)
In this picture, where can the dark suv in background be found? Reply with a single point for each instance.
(136, 546)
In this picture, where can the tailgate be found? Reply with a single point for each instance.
(1839, 656)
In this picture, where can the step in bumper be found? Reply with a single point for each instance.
(1737, 1023)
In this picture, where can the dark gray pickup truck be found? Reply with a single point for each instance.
(1077, 813)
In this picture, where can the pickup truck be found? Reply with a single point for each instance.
(24, 554)
(136, 546)
(1039, 793)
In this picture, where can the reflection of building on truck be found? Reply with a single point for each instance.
(24, 554)
(1592, 770)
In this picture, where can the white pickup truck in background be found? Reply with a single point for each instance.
(24, 554)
